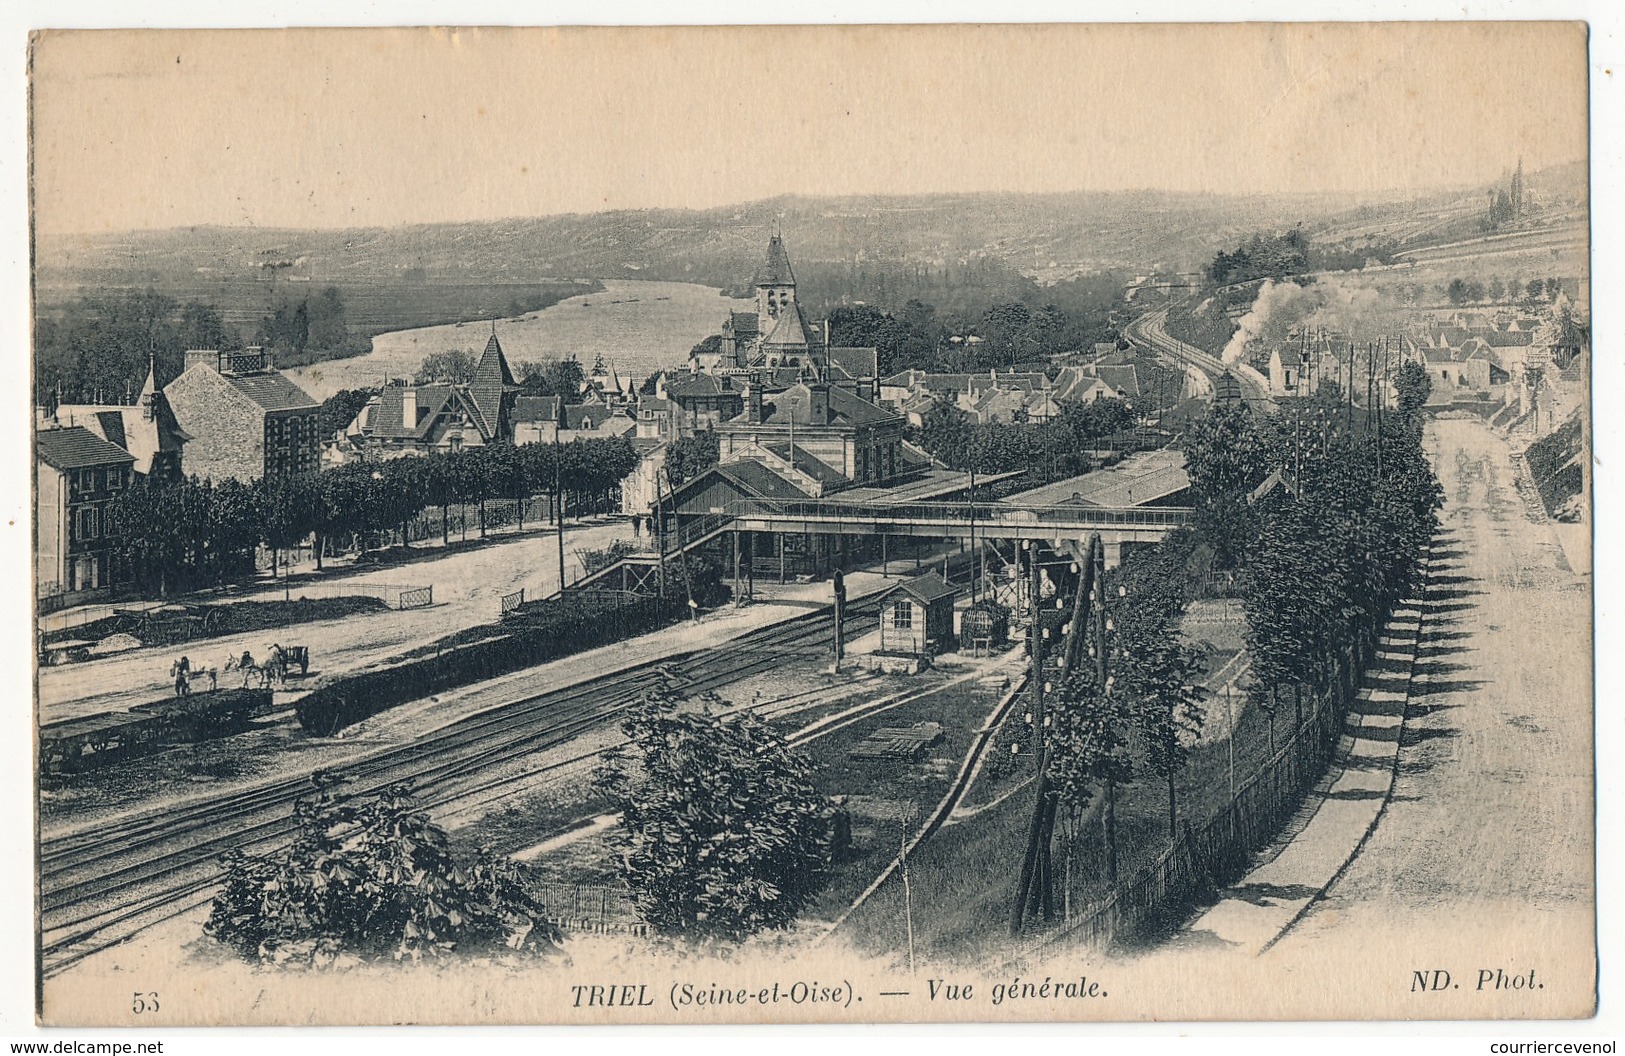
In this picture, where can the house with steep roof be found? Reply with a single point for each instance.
(641, 489)
(245, 418)
(698, 401)
(915, 408)
(1042, 407)
(443, 417)
(78, 475)
(1097, 381)
(147, 429)
(536, 419)
(1004, 406)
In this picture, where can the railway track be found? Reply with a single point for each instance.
(101, 886)
(1148, 331)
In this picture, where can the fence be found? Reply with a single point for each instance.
(511, 602)
(984, 513)
(1219, 851)
(578, 907)
(295, 589)
(417, 598)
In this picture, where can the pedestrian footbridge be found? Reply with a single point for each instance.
(1063, 526)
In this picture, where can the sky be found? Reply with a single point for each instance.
(339, 128)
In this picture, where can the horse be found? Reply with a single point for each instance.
(210, 672)
(250, 669)
(273, 668)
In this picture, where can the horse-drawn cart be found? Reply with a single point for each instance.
(65, 652)
(297, 654)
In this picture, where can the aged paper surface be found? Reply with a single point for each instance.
(1172, 220)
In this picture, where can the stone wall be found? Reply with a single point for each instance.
(227, 428)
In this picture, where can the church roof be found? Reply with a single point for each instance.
(791, 330)
(775, 271)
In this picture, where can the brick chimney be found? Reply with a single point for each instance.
(818, 403)
(207, 357)
(753, 404)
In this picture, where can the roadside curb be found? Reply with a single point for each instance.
(1345, 806)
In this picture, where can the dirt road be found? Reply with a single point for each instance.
(467, 587)
(1486, 847)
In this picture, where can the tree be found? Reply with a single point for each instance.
(1089, 746)
(553, 377)
(722, 833)
(1158, 678)
(453, 366)
(340, 409)
(1412, 387)
(946, 432)
(1498, 289)
(328, 329)
(1224, 456)
(1456, 292)
(690, 456)
(368, 879)
(287, 508)
(201, 327)
(1088, 422)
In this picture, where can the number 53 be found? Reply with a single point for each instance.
(144, 1003)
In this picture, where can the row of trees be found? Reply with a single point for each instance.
(1007, 333)
(1050, 451)
(1535, 292)
(1328, 566)
(1323, 557)
(96, 349)
(190, 533)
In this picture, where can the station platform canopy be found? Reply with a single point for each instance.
(1142, 479)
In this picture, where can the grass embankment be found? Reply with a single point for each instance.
(963, 879)
(1556, 467)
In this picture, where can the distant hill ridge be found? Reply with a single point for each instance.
(1048, 236)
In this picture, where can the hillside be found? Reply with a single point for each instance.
(1046, 236)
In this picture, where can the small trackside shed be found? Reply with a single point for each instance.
(917, 617)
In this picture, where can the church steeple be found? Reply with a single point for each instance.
(775, 286)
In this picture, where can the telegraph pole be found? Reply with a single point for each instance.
(558, 500)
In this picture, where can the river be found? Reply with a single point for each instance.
(638, 326)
